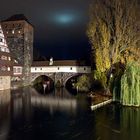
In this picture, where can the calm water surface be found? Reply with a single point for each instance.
(28, 115)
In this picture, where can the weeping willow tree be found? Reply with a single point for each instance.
(130, 85)
(114, 34)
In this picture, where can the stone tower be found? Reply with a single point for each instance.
(5, 63)
(19, 36)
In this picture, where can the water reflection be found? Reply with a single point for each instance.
(25, 114)
(21, 103)
(4, 114)
(58, 100)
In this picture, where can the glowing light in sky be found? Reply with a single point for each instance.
(64, 18)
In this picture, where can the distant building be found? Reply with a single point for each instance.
(5, 63)
(19, 36)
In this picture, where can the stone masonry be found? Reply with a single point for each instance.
(19, 36)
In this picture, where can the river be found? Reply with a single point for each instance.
(27, 115)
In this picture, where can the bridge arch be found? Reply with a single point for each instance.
(71, 76)
(33, 76)
(43, 83)
(70, 81)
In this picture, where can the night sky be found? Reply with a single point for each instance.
(60, 25)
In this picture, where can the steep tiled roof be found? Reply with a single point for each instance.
(17, 17)
(57, 63)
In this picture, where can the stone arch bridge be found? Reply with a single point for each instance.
(61, 70)
(61, 73)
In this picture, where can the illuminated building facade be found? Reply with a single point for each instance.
(5, 63)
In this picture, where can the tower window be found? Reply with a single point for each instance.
(9, 58)
(13, 31)
(4, 57)
(8, 68)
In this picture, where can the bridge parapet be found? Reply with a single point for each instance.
(57, 69)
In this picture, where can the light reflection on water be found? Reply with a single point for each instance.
(26, 114)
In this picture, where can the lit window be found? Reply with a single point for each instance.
(3, 68)
(14, 70)
(18, 70)
(2, 49)
(15, 61)
(13, 31)
(19, 32)
(9, 58)
(8, 68)
(6, 50)
(4, 57)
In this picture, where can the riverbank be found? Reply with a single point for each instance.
(98, 99)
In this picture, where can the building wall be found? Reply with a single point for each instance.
(19, 37)
(5, 82)
(5, 63)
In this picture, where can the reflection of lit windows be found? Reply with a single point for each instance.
(8, 68)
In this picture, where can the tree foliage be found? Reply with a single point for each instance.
(130, 85)
(114, 33)
(83, 83)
